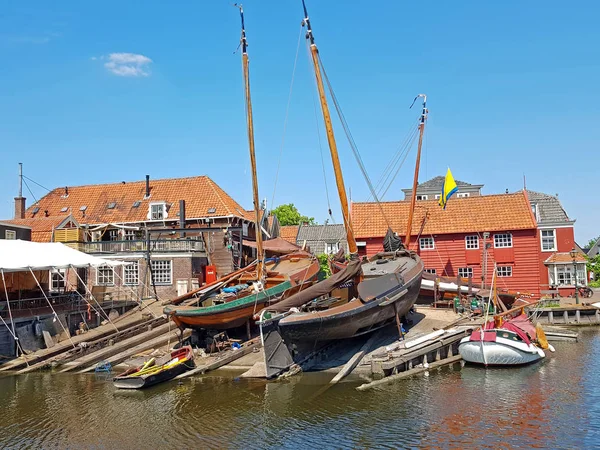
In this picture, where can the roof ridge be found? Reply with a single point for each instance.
(119, 183)
(511, 194)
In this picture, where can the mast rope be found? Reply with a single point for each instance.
(29, 189)
(352, 143)
(285, 121)
(319, 137)
(35, 182)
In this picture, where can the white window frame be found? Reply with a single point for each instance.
(438, 196)
(129, 235)
(505, 239)
(131, 277)
(468, 270)
(424, 246)
(165, 278)
(542, 238)
(10, 235)
(332, 248)
(472, 242)
(114, 235)
(244, 228)
(504, 271)
(422, 197)
(463, 194)
(431, 271)
(154, 215)
(59, 283)
(567, 270)
(105, 279)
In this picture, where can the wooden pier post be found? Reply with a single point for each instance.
(578, 316)
(566, 316)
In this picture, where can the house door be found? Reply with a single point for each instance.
(182, 287)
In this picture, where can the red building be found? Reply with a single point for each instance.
(451, 242)
(557, 239)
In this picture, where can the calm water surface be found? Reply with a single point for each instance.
(555, 404)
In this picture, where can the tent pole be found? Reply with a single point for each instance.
(12, 322)
(52, 308)
(91, 296)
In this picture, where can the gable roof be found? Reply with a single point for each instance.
(289, 233)
(502, 212)
(201, 195)
(324, 233)
(42, 227)
(549, 208)
(437, 182)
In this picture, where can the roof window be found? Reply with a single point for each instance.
(111, 205)
(35, 210)
(65, 209)
(212, 210)
(136, 204)
(83, 208)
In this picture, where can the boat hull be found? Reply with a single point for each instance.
(165, 372)
(498, 353)
(385, 298)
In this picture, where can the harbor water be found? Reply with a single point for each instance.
(553, 404)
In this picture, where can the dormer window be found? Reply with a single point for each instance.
(157, 211)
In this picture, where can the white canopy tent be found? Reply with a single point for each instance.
(26, 256)
(19, 256)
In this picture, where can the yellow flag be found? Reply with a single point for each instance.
(449, 188)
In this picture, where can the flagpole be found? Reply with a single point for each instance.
(416, 177)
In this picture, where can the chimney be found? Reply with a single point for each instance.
(182, 216)
(20, 200)
(147, 186)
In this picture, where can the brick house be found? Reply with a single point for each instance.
(141, 221)
(430, 189)
(451, 242)
(327, 238)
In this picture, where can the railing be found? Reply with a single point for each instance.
(156, 245)
(39, 305)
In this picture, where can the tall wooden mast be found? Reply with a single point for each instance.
(413, 198)
(250, 124)
(339, 179)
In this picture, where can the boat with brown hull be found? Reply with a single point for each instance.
(237, 300)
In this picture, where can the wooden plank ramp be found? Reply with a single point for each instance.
(408, 373)
(247, 348)
(171, 337)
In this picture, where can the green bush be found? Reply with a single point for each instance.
(325, 271)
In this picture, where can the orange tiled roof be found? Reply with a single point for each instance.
(502, 212)
(565, 257)
(201, 195)
(41, 227)
(289, 233)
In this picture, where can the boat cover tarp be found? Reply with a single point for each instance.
(391, 241)
(522, 326)
(318, 289)
(276, 245)
(20, 256)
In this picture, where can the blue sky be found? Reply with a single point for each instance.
(512, 86)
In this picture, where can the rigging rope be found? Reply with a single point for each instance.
(29, 189)
(35, 182)
(287, 110)
(352, 143)
(319, 138)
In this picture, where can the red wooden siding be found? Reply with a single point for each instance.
(450, 254)
(565, 241)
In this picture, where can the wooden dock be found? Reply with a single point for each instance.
(572, 315)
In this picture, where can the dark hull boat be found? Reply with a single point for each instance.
(338, 308)
(151, 373)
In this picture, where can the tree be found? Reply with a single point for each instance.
(289, 215)
(593, 266)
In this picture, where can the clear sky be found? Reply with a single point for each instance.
(94, 92)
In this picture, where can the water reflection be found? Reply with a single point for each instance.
(555, 404)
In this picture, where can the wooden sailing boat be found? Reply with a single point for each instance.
(232, 301)
(358, 299)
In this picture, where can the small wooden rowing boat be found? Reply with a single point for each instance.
(153, 372)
